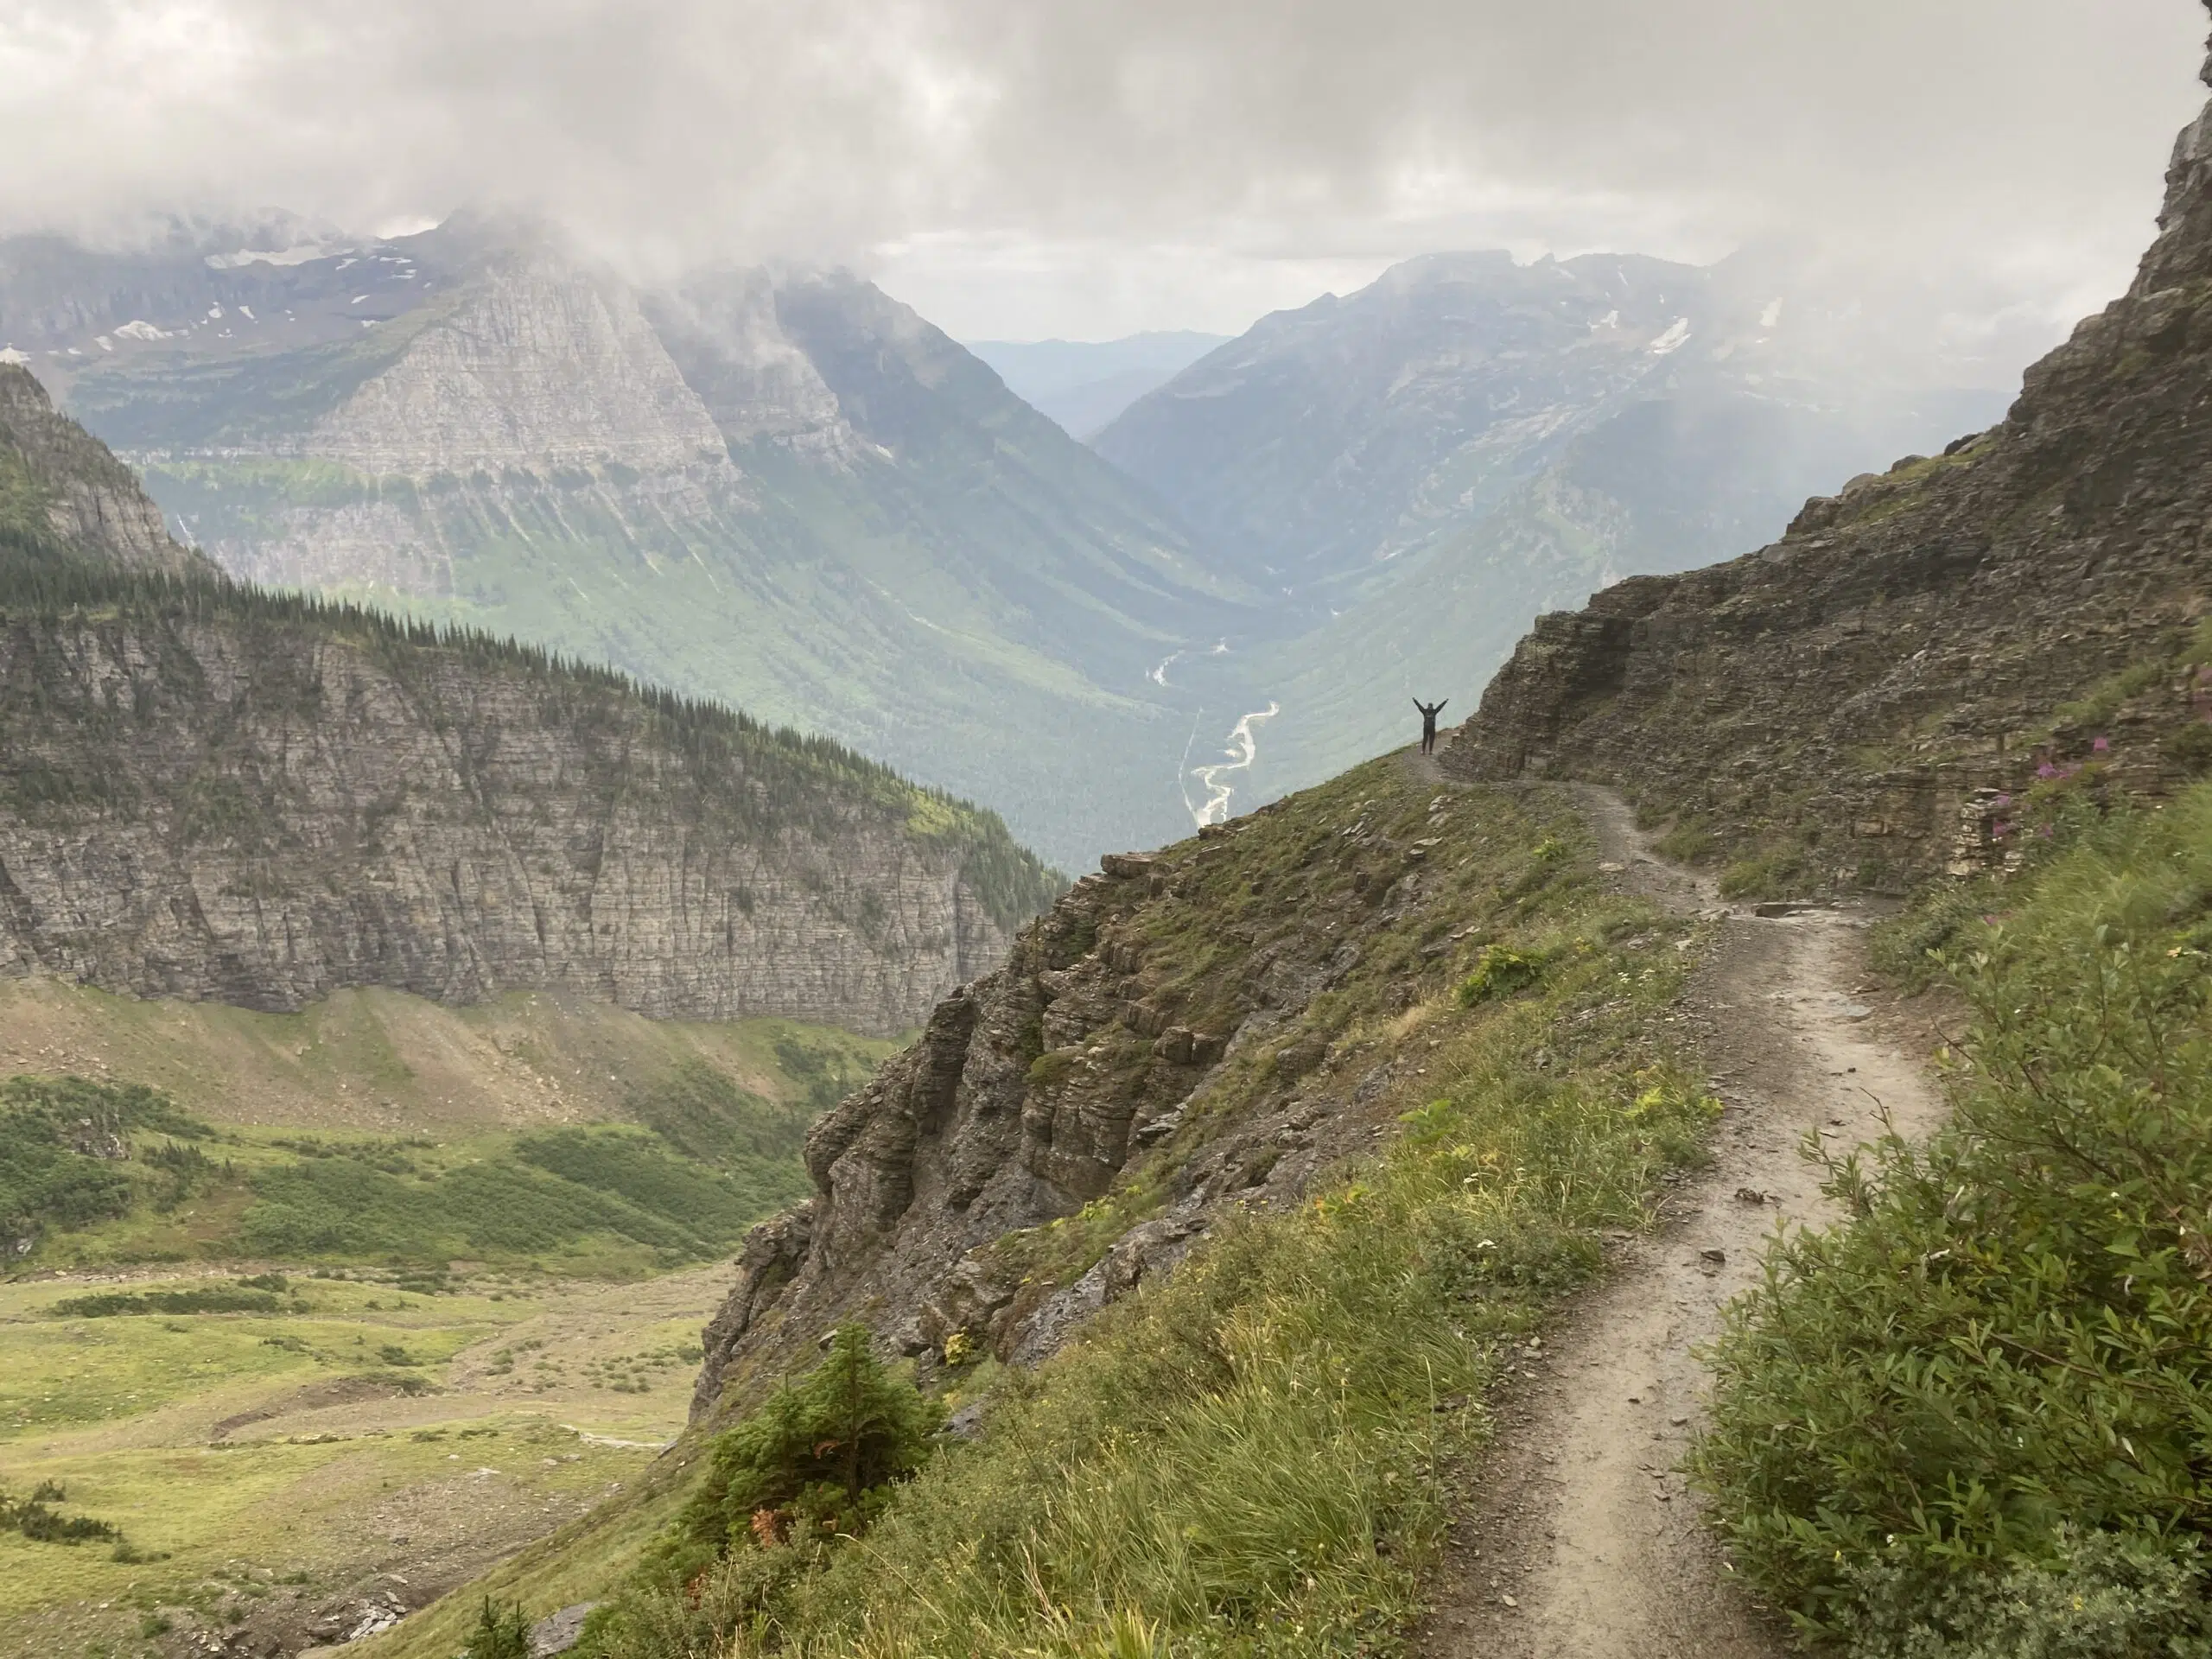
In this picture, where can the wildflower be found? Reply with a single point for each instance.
(2102, 745)
(2046, 771)
(1998, 830)
(2002, 802)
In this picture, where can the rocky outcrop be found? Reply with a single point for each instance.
(1870, 689)
(1149, 1057)
(59, 486)
(264, 810)
(539, 364)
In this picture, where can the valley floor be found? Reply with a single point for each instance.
(1582, 1540)
(306, 1476)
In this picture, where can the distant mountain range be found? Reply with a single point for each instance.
(782, 488)
(1083, 384)
(1415, 471)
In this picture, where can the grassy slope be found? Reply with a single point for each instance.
(363, 1128)
(1973, 1421)
(1252, 1456)
(380, 1062)
(245, 1457)
(121, 1410)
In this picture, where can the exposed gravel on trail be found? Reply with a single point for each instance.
(1580, 1540)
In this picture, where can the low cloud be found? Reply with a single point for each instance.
(2013, 146)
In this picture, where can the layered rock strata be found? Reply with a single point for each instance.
(205, 791)
(212, 807)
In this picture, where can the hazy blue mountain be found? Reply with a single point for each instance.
(1084, 384)
(781, 489)
(1415, 471)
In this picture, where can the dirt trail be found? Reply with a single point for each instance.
(1582, 1542)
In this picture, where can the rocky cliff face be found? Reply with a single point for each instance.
(207, 791)
(1181, 1034)
(1858, 701)
(263, 814)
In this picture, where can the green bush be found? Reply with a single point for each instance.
(814, 1464)
(113, 1304)
(2013, 1336)
(32, 1518)
(501, 1632)
(57, 1138)
(2103, 1597)
(819, 1457)
(1499, 972)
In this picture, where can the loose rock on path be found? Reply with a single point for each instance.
(1581, 1540)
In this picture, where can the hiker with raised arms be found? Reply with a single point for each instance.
(1428, 715)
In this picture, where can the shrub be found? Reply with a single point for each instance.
(816, 1462)
(32, 1518)
(501, 1632)
(2103, 1597)
(1500, 971)
(2012, 1336)
(818, 1457)
(114, 1304)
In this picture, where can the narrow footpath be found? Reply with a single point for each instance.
(1581, 1540)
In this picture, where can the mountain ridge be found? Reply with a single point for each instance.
(1415, 470)
(1860, 702)
(214, 791)
(478, 425)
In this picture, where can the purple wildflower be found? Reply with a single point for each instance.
(2046, 771)
(2102, 745)
(1997, 831)
(2002, 802)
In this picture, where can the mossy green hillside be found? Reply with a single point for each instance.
(1252, 1456)
(600, 1142)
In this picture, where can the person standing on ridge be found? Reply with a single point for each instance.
(1429, 724)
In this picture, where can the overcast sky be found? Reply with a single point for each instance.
(1018, 168)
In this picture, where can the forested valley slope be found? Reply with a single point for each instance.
(398, 1029)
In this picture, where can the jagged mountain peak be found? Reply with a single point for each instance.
(2183, 251)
